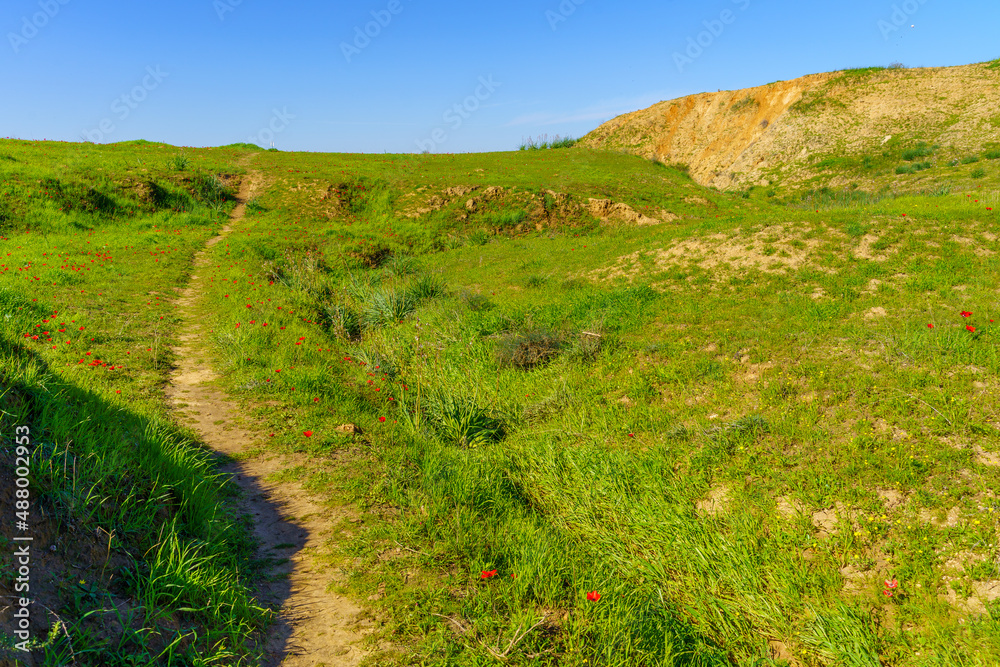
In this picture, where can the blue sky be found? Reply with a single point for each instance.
(441, 76)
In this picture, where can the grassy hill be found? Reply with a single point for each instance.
(601, 413)
(872, 130)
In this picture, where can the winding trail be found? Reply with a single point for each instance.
(315, 628)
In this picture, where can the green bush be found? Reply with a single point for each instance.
(399, 266)
(743, 104)
(178, 163)
(992, 154)
(427, 287)
(343, 321)
(978, 173)
(211, 189)
(387, 306)
(543, 143)
(913, 168)
(506, 219)
(972, 159)
(459, 419)
(922, 149)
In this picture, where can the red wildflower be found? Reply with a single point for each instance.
(930, 326)
(593, 596)
(381, 419)
(488, 574)
(966, 313)
(970, 329)
(308, 434)
(891, 583)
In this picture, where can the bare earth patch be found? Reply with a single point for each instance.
(775, 249)
(715, 502)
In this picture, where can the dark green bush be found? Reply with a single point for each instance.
(529, 350)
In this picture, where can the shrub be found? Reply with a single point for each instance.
(178, 163)
(528, 350)
(920, 150)
(978, 173)
(459, 419)
(913, 168)
(399, 266)
(340, 320)
(536, 281)
(427, 287)
(972, 159)
(993, 154)
(506, 219)
(211, 189)
(743, 104)
(387, 306)
(479, 237)
(543, 143)
(360, 287)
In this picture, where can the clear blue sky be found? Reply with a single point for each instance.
(224, 67)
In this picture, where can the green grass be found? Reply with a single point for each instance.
(95, 241)
(580, 409)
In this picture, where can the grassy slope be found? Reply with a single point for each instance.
(145, 562)
(662, 467)
(742, 385)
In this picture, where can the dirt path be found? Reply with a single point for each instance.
(315, 627)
